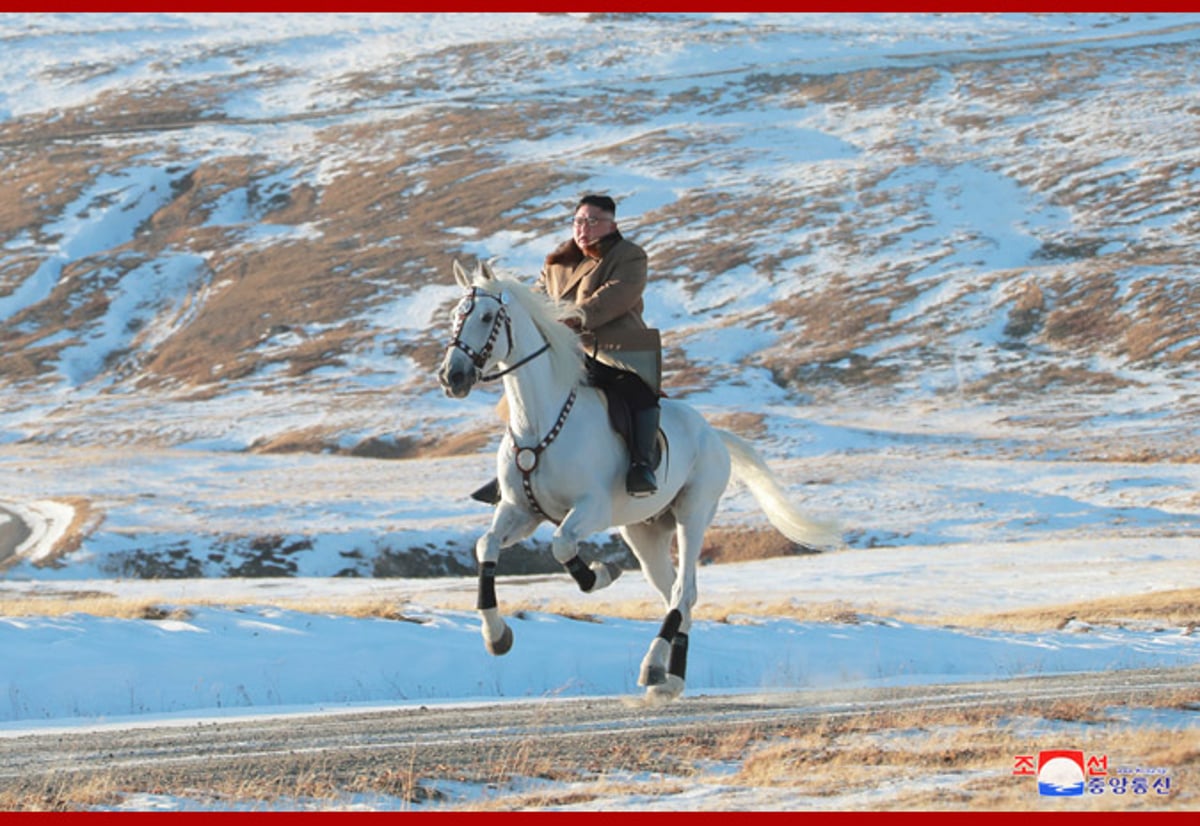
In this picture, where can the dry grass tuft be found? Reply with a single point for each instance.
(98, 604)
(738, 544)
(92, 603)
(323, 440)
(949, 759)
(1161, 610)
(158, 613)
(963, 749)
(60, 793)
(1168, 611)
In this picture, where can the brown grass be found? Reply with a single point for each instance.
(93, 603)
(963, 749)
(318, 439)
(312, 786)
(744, 545)
(1161, 609)
(60, 793)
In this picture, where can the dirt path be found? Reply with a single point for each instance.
(411, 747)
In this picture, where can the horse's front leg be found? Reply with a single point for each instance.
(588, 516)
(509, 524)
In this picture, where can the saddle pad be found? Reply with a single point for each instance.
(638, 351)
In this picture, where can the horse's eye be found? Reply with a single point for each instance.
(487, 318)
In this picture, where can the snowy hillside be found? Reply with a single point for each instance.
(940, 268)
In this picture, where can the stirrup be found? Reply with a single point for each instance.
(640, 481)
(489, 494)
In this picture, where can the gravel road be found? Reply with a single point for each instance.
(485, 743)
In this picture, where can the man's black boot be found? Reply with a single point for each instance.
(640, 481)
(489, 494)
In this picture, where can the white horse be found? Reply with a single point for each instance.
(561, 461)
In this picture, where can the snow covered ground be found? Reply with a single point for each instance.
(949, 509)
(254, 658)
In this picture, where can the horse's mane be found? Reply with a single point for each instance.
(566, 352)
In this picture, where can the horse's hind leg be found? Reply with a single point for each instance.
(651, 544)
(694, 510)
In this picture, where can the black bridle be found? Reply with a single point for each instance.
(480, 358)
(526, 458)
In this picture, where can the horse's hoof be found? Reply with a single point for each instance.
(606, 574)
(501, 646)
(652, 675)
(670, 689)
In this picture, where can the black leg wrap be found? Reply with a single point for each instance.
(584, 575)
(670, 626)
(487, 586)
(677, 665)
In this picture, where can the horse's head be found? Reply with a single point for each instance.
(479, 320)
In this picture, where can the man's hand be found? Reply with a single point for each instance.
(574, 323)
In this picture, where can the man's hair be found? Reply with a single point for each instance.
(600, 202)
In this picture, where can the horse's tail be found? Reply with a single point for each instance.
(749, 467)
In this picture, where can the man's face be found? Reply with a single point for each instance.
(592, 224)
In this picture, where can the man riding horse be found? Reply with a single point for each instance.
(604, 275)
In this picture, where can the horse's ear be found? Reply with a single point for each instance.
(460, 275)
(486, 270)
